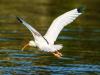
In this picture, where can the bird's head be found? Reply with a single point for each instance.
(31, 43)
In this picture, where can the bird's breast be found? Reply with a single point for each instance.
(41, 43)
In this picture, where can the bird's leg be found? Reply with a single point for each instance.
(57, 54)
(24, 47)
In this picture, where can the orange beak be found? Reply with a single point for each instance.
(24, 47)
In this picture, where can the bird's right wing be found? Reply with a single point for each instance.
(33, 31)
(59, 23)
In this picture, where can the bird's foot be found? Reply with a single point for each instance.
(57, 54)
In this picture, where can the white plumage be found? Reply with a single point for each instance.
(59, 23)
(46, 42)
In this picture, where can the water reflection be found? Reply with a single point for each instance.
(28, 62)
(77, 69)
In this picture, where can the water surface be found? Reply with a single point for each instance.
(81, 55)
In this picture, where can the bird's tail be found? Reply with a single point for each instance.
(58, 46)
(54, 48)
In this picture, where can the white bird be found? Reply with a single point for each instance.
(46, 43)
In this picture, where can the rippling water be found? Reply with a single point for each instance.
(81, 39)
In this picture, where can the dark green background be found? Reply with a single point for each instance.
(81, 39)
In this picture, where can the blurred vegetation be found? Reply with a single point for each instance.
(42, 12)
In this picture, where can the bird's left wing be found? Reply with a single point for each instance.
(59, 23)
(33, 31)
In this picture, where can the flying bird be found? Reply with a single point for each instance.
(46, 43)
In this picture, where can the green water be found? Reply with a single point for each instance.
(81, 55)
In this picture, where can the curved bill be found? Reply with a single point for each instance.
(25, 46)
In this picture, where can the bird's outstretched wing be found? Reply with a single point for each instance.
(33, 31)
(59, 23)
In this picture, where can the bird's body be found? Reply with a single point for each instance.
(45, 46)
(46, 42)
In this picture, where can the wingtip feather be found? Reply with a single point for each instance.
(81, 9)
(19, 19)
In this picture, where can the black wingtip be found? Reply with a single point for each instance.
(19, 19)
(81, 9)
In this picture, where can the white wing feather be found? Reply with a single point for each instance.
(59, 23)
(33, 30)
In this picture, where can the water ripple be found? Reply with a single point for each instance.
(69, 68)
